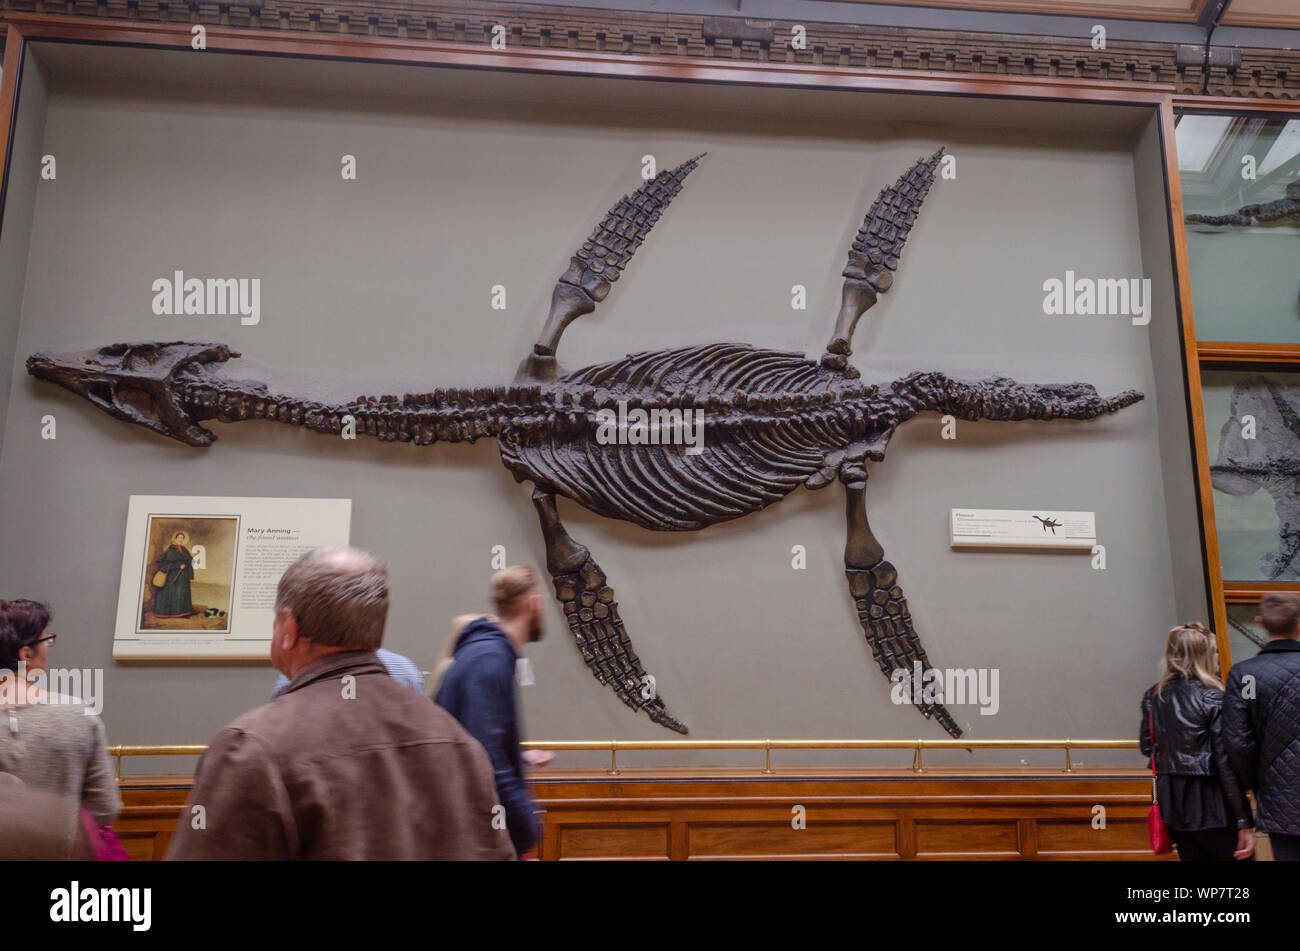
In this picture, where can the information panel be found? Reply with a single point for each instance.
(1031, 529)
(199, 573)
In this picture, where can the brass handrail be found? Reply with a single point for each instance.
(767, 745)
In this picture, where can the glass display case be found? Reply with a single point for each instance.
(1240, 178)
(1244, 635)
(1239, 169)
(1253, 435)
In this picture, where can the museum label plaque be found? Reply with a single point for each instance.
(199, 574)
(1031, 529)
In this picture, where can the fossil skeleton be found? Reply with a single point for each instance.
(777, 421)
(1268, 459)
(1280, 210)
(1286, 208)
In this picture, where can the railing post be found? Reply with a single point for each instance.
(613, 758)
(1068, 767)
(917, 765)
(767, 767)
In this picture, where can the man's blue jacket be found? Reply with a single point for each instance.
(479, 691)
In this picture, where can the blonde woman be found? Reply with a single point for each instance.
(1201, 802)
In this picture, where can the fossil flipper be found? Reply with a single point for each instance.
(874, 254)
(589, 606)
(882, 609)
(596, 265)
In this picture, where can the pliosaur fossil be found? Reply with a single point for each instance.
(776, 421)
(1286, 208)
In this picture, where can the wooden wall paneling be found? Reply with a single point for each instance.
(657, 815)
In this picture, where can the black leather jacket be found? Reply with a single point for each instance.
(1189, 740)
(1261, 724)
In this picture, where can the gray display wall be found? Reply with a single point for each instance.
(230, 166)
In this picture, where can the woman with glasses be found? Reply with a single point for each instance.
(49, 741)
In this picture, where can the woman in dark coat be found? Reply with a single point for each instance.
(173, 598)
(1201, 802)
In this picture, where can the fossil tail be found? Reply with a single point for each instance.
(171, 388)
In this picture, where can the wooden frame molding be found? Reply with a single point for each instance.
(577, 62)
(1225, 352)
(1249, 592)
(1195, 399)
(839, 73)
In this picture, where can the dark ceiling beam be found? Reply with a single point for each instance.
(1212, 14)
(1210, 18)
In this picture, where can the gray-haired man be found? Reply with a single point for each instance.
(347, 763)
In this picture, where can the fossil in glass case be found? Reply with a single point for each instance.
(1267, 456)
(1285, 209)
(625, 439)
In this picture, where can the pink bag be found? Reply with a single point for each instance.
(1161, 843)
(103, 840)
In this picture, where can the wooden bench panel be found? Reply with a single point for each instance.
(712, 814)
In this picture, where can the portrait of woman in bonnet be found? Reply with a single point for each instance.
(175, 571)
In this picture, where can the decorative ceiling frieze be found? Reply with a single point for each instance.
(1256, 73)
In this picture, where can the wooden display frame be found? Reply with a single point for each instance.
(1160, 98)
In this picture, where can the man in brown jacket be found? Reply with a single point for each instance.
(347, 763)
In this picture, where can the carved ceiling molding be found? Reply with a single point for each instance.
(1261, 73)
